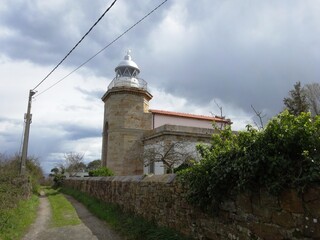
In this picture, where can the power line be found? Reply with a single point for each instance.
(117, 38)
(76, 45)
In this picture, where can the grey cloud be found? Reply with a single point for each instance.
(44, 36)
(241, 52)
(43, 140)
(240, 56)
(68, 131)
(91, 94)
(76, 132)
(10, 139)
(11, 120)
(45, 144)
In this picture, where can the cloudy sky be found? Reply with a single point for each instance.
(191, 53)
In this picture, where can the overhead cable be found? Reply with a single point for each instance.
(75, 45)
(117, 38)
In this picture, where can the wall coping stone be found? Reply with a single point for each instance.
(166, 178)
(133, 178)
(176, 130)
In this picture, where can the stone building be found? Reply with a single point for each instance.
(130, 128)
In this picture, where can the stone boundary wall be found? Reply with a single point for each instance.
(161, 198)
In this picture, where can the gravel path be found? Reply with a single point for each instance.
(91, 227)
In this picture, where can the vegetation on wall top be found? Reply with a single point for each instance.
(101, 172)
(286, 154)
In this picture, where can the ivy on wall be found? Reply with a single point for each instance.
(286, 154)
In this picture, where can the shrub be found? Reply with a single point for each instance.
(58, 180)
(286, 154)
(35, 173)
(101, 172)
(13, 187)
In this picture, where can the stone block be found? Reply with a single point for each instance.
(243, 203)
(244, 218)
(291, 202)
(228, 206)
(268, 200)
(262, 212)
(283, 219)
(312, 194)
(266, 231)
(313, 207)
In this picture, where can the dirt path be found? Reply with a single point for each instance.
(99, 228)
(91, 227)
(42, 220)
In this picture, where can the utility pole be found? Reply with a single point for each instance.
(27, 118)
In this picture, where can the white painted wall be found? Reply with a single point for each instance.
(160, 120)
(158, 169)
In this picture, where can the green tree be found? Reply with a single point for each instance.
(54, 170)
(95, 164)
(296, 102)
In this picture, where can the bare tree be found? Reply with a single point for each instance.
(74, 163)
(220, 108)
(260, 115)
(221, 115)
(312, 92)
(171, 155)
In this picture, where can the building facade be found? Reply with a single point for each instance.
(131, 129)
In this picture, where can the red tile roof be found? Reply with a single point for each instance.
(188, 115)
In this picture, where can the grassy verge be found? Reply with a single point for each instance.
(19, 219)
(63, 213)
(130, 226)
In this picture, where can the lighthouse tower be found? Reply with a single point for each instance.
(126, 118)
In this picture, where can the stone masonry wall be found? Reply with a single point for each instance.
(161, 198)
